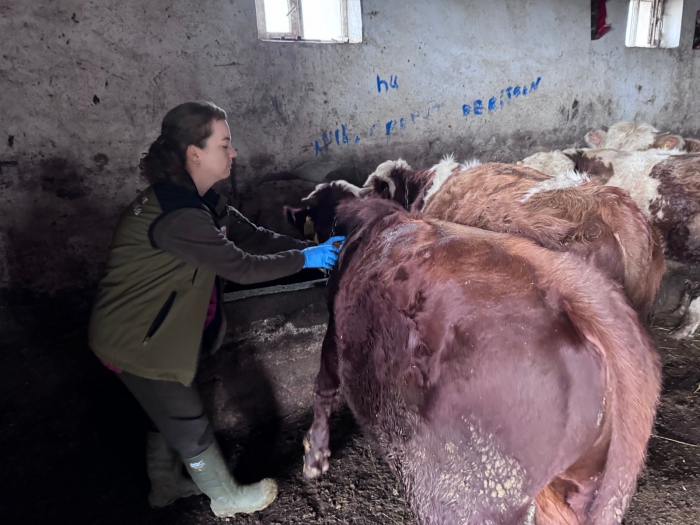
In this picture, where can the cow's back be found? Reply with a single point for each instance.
(599, 224)
(464, 364)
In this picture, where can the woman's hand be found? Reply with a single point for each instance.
(324, 255)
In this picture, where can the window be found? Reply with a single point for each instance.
(330, 21)
(654, 23)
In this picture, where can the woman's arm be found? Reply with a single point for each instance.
(255, 239)
(191, 235)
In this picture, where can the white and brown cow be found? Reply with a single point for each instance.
(564, 213)
(666, 187)
(633, 136)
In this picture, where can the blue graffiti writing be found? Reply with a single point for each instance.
(340, 136)
(391, 127)
(507, 94)
(393, 83)
(434, 106)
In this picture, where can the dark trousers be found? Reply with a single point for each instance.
(177, 412)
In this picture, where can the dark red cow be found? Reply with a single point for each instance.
(504, 382)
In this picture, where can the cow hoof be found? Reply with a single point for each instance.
(315, 465)
(681, 333)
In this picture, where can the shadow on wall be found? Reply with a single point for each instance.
(60, 233)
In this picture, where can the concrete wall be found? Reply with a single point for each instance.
(84, 86)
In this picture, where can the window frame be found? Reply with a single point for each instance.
(664, 27)
(351, 24)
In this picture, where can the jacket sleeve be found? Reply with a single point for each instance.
(255, 239)
(191, 235)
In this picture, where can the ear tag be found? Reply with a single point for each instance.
(308, 227)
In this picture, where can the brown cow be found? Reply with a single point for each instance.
(563, 213)
(560, 213)
(631, 136)
(502, 381)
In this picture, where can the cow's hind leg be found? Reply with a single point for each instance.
(317, 450)
(551, 509)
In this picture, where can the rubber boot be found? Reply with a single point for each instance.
(210, 473)
(164, 467)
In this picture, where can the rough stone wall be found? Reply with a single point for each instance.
(85, 84)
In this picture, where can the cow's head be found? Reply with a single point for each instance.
(316, 216)
(385, 179)
(631, 136)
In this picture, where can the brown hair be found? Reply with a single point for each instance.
(188, 123)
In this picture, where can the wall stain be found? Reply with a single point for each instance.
(61, 179)
(101, 160)
(59, 239)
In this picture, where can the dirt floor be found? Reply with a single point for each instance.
(72, 444)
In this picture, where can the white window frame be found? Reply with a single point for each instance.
(351, 14)
(662, 29)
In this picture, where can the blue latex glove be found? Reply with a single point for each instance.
(324, 255)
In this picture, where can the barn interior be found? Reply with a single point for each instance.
(85, 86)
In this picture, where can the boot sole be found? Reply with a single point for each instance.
(225, 513)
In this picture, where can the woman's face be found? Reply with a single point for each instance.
(216, 158)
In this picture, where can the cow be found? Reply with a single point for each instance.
(631, 136)
(561, 213)
(666, 187)
(504, 383)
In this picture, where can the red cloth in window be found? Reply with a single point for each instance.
(601, 26)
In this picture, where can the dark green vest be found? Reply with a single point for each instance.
(151, 306)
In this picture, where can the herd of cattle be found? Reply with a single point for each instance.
(489, 323)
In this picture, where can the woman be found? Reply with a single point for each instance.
(158, 302)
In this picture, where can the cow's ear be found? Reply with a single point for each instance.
(595, 139)
(692, 145)
(669, 142)
(381, 187)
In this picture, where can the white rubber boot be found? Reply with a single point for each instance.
(210, 473)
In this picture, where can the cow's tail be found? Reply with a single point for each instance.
(633, 379)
